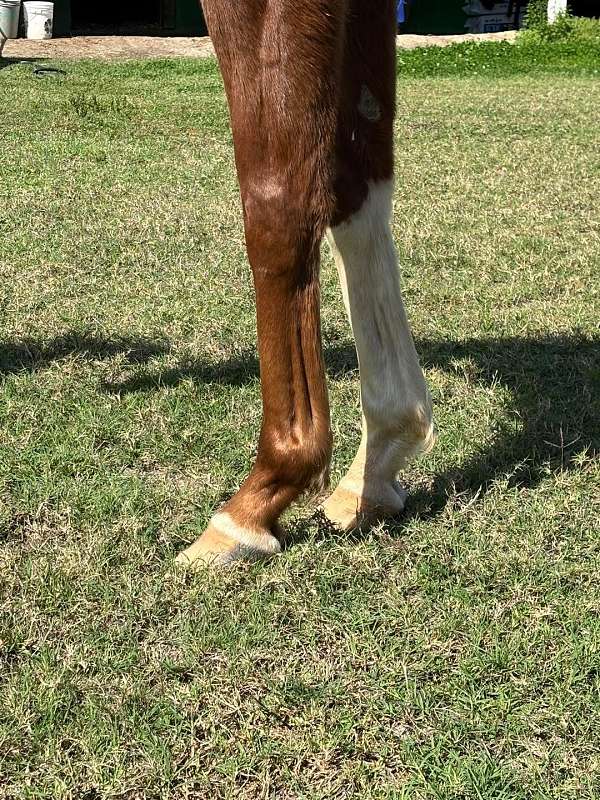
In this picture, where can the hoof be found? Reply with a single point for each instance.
(354, 504)
(224, 542)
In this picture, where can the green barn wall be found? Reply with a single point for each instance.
(188, 18)
(435, 17)
(62, 18)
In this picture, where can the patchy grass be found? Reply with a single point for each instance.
(453, 653)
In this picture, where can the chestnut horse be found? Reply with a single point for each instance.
(311, 92)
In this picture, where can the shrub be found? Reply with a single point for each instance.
(565, 27)
(577, 53)
(536, 15)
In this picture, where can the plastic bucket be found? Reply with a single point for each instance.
(38, 19)
(9, 18)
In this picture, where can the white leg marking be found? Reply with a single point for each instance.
(255, 540)
(224, 541)
(397, 417)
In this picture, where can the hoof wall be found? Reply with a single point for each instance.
(223, 543)
(351, 507)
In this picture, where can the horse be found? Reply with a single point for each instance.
(311, 88)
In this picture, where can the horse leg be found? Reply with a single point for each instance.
(281, 67)
(397, 416)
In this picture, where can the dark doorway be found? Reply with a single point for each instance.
(115, 16)
(585, 8)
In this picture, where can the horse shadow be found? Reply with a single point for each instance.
(30, 355)
(553, 416)
(554, 383)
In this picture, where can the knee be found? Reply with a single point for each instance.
(281, 226)
(368, 226)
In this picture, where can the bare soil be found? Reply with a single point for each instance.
(123, 47)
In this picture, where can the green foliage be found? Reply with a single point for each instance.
(536, 15)
(586, 29)
(580, 31)
(577, 54)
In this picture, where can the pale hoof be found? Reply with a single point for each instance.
(224, 543)
(353, 505)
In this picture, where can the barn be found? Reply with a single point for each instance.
(184, 17)
(159, 17)
(477, 16)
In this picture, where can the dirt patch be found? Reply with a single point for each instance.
(120, 47)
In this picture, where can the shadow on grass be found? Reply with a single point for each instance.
(340, 361)
(29, 355)
(236, 371)
(38, 66)
(6, 62)
(554, 380)
(555, 385)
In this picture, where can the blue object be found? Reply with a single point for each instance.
(401, 11)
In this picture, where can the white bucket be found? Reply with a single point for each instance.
(9, 18)
(38, 19)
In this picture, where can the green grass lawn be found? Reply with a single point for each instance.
(453, 653)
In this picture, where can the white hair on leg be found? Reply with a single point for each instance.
(397, 416)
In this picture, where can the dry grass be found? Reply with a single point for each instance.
(451, 654)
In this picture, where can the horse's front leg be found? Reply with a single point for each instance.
(280, 64)
(295, 442)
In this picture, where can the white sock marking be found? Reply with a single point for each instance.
(395, 399)
(249, 538)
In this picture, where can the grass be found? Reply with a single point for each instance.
(570, 46)
(454, 653)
